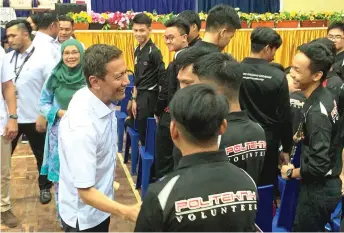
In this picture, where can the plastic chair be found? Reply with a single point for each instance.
(132, 140)
(147, 156)
(285, 216)
(121, 115)
(334, 224)
(264, 213)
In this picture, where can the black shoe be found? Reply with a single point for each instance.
(45, 196)
(9, 219)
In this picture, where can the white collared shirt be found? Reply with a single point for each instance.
(58, 44)
(47, 43)
(30, 80)
(3, 106)
(87, 152)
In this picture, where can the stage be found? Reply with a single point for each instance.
(239, 46)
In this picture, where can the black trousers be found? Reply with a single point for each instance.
(163, 147)
(36, 141)
(270, 167)
(145, 101)
(102, 227)
(317, 200)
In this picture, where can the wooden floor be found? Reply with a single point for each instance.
(35, 217)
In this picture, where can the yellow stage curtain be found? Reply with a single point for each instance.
(239, 47)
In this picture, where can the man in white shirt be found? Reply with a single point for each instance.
(48, 30)
(88, 145)
(29, 66)
(8, 131)
(66, 30)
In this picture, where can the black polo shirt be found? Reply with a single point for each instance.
(339, 62)
(149, 67)
(206, 193)
(244, 143)
(321, 147)
(194, 41)
(333, 83)
(264, 94)
(211, 46)
(297, 100)
(168, 86)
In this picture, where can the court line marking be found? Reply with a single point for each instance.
(22, 156)
(129, 178)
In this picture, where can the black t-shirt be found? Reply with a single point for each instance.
(149, 67)
(264, 94)
(244, 143)
(206, 193)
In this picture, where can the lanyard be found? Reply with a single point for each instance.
(22, 65)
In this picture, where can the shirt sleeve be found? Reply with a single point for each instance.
(318, 161)
(163, 93)
(150, 218)
(7, 69)
(79, 147)
(284, 115)
(159, 62)
(46, 107)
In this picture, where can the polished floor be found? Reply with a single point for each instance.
(35, 217)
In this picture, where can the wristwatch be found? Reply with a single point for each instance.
(133, 98)
(14, 116)
(290, 173)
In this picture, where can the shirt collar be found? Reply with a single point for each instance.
(175, 55)
(251, 60)
(202, 158)
(312, 98)
(44, 36)
(194, 41)
(242, 115)
(100, 109)
(203, 43)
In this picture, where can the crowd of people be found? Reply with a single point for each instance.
(223, 127)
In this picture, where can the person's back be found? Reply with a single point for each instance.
(244, 143)
(213, 195)
(264, 94)
(262, 91)
(206, 193)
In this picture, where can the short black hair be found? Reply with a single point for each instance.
(222, 15)
(336, 25)
(191, 55)
(263, 36)
(191, 17)
(181, 24)
(35, 17)
(46, 19)
(66, 18)
(199, 112)
(287, 70)
(142, 18)
(96, 59)
(277, 65)
(21, 24)
(321, 58)
(223, 69)
(327, 42)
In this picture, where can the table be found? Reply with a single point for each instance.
(7, 14)
(239, 47)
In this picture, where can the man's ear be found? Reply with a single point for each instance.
(317, 76)
(174, 131)
(223, 127)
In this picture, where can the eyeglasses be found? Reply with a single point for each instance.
(336, 37)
